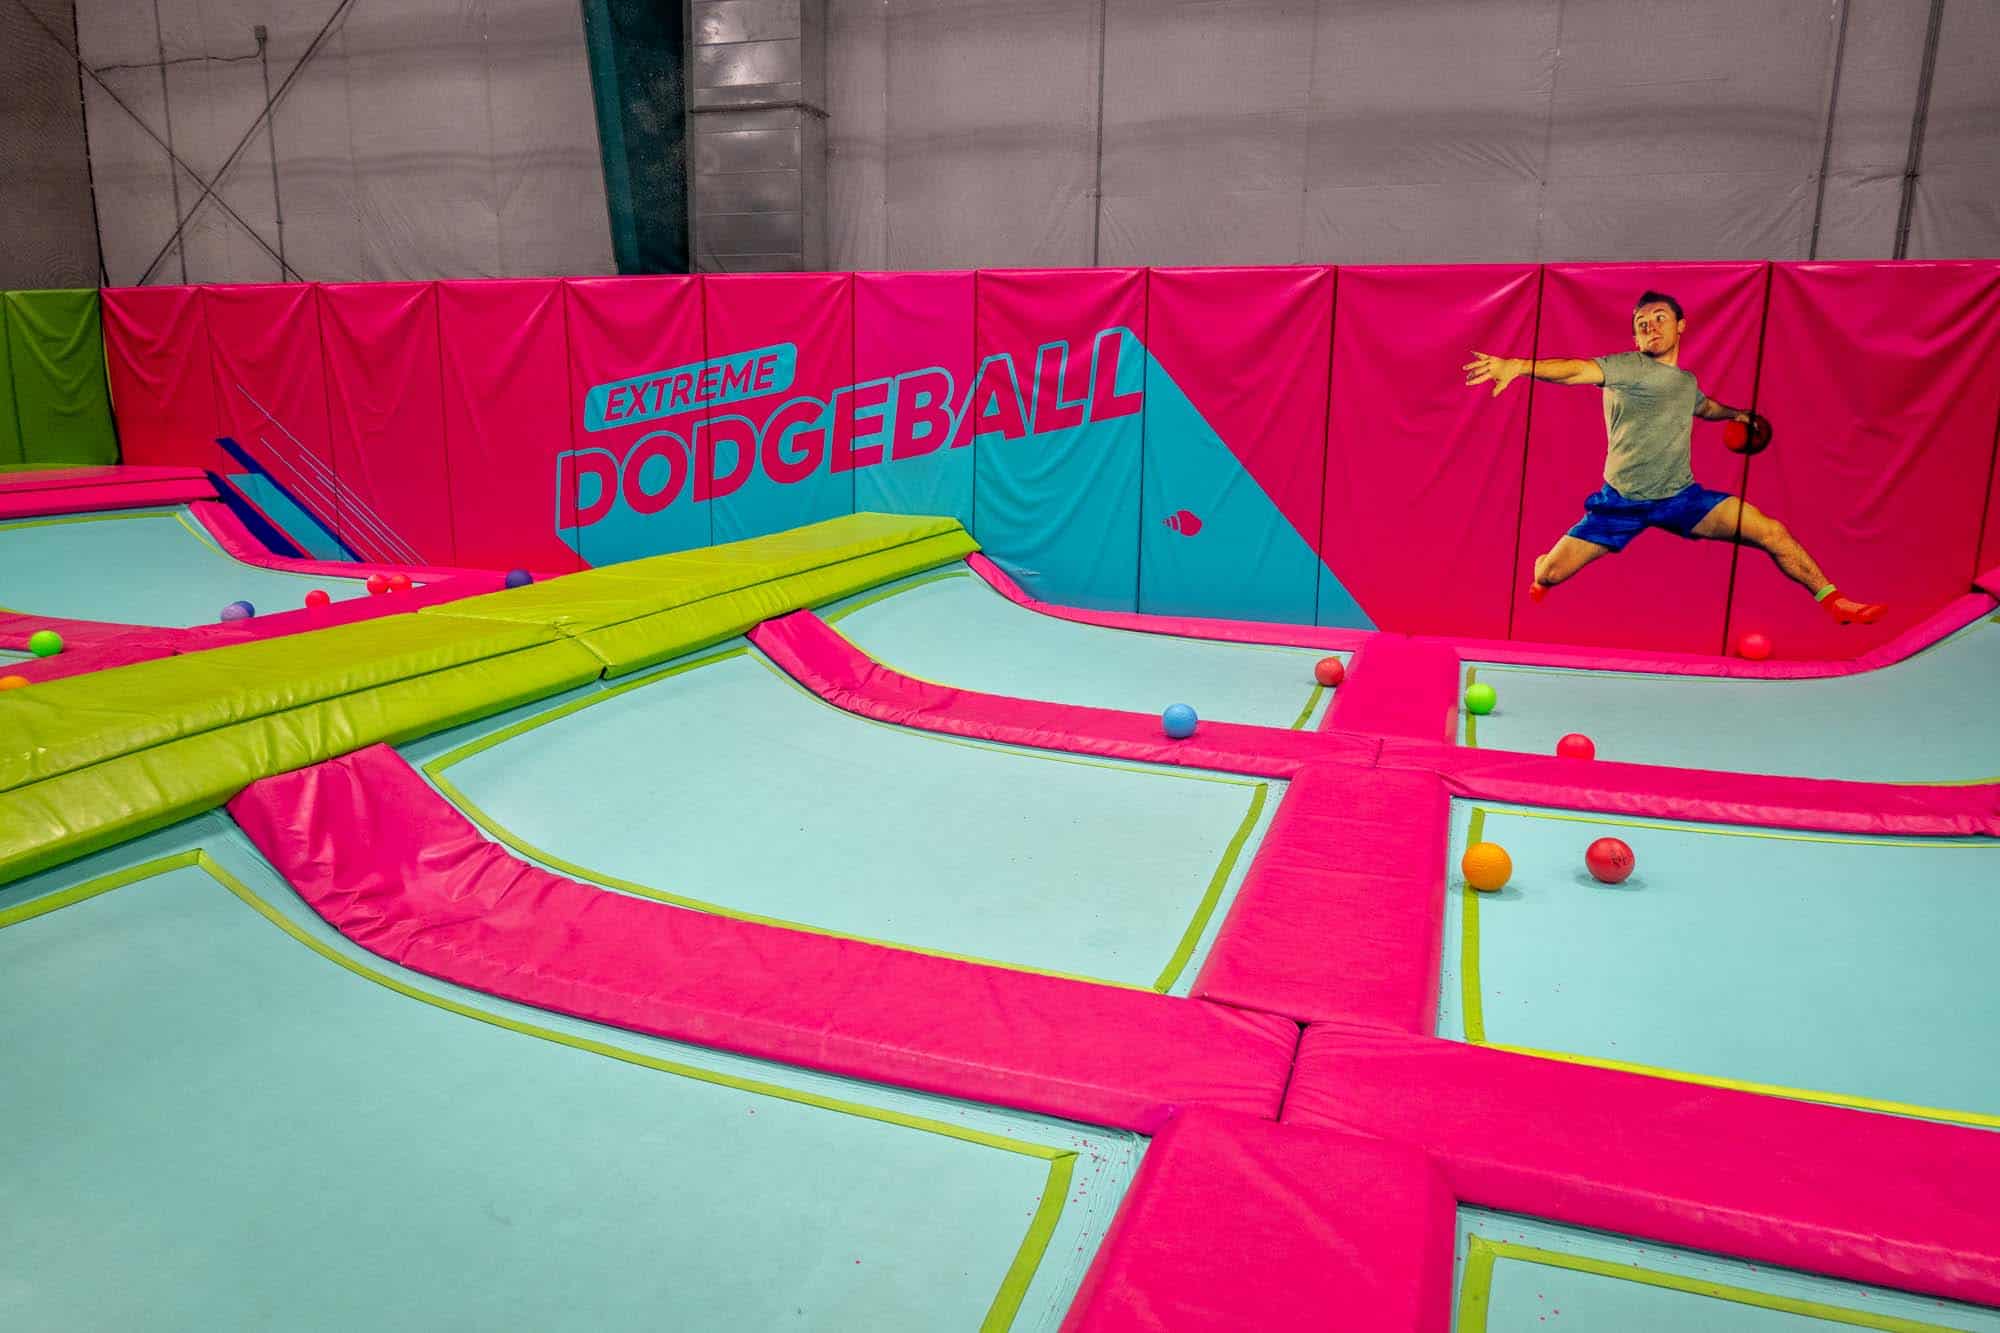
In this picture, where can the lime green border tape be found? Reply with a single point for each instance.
(1027, 1258)
(1475, 1292)
(1471, 1004)
(1169, 974)
(1298, 723)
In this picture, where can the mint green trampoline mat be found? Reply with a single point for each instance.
(951, 628)
(720, 784)
(1856, 971)
(140, 567)
(1523, 1275)
(217, 1113)
(1928, 719)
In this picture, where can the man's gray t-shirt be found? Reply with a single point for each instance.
(1649, 419)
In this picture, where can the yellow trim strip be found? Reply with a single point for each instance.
(1472, 1308)
(1027, 1258)
(1977, 1119)
(1471, 1001)
(1466, 715)
(1772, 835)
(1177, 962)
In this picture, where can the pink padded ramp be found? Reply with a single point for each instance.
(390, 864)
(221, 523)
(1871, 1198)
(1342, 912)
(1399, 686)
(1193, 627)
(815, 655)
(1234, 1223)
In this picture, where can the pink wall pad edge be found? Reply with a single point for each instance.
(385, 860)
(1851, 1194)
(221, 523)
(1989, 582)
(1943, 623)
(1818, 804)
(1236, 1223)
(810, 651)
(1189, 627)
(1399, 686)
(86, 499)
(70, 478)
(1342, 911)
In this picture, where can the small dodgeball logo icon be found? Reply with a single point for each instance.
(1183, 522)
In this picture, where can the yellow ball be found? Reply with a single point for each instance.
(1487, 866)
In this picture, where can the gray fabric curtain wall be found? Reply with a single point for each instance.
(49, 238)
(1060, 132)
(420, 139)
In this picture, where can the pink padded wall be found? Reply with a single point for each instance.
(385, 409)
(157, 358)
(270, 381)
(1879, 381)
(507, 415)
(1423, 475)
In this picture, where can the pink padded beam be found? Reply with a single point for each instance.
(815, 655)
(1234, 1223)
(1870, 1198)
(394, 867)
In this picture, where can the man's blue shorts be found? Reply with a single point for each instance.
(1611, 519)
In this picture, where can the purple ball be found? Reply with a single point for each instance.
(519, 578)
(238, 611)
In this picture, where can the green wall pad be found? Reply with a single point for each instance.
(55, 354)
(10, 423)
(643, 612)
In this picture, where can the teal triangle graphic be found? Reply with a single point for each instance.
(1211, 541)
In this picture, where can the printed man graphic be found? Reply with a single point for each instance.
(1649, 408)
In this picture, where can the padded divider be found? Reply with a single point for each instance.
(1193, 627)
(45, 823)
(65, 725)
(1698, 794)
(36, 492)
(394, 867)
(1235, 1223)
(1398, 686)
(1870, 1198)
(1342, 912)
(1947, 620)
(815, 655)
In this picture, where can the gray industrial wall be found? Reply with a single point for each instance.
(421, 139)
(1065, 132)
(47, 237)
(427, 138)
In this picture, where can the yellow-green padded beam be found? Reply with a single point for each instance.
(71, 814)
(61, 725)
(635, 644)
(640, 612)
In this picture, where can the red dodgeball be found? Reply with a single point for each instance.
(1183, 522)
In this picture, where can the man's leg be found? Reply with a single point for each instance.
(1740, 521)
(1562, 561)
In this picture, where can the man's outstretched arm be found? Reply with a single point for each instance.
(1710, 410)
(1503, 370)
